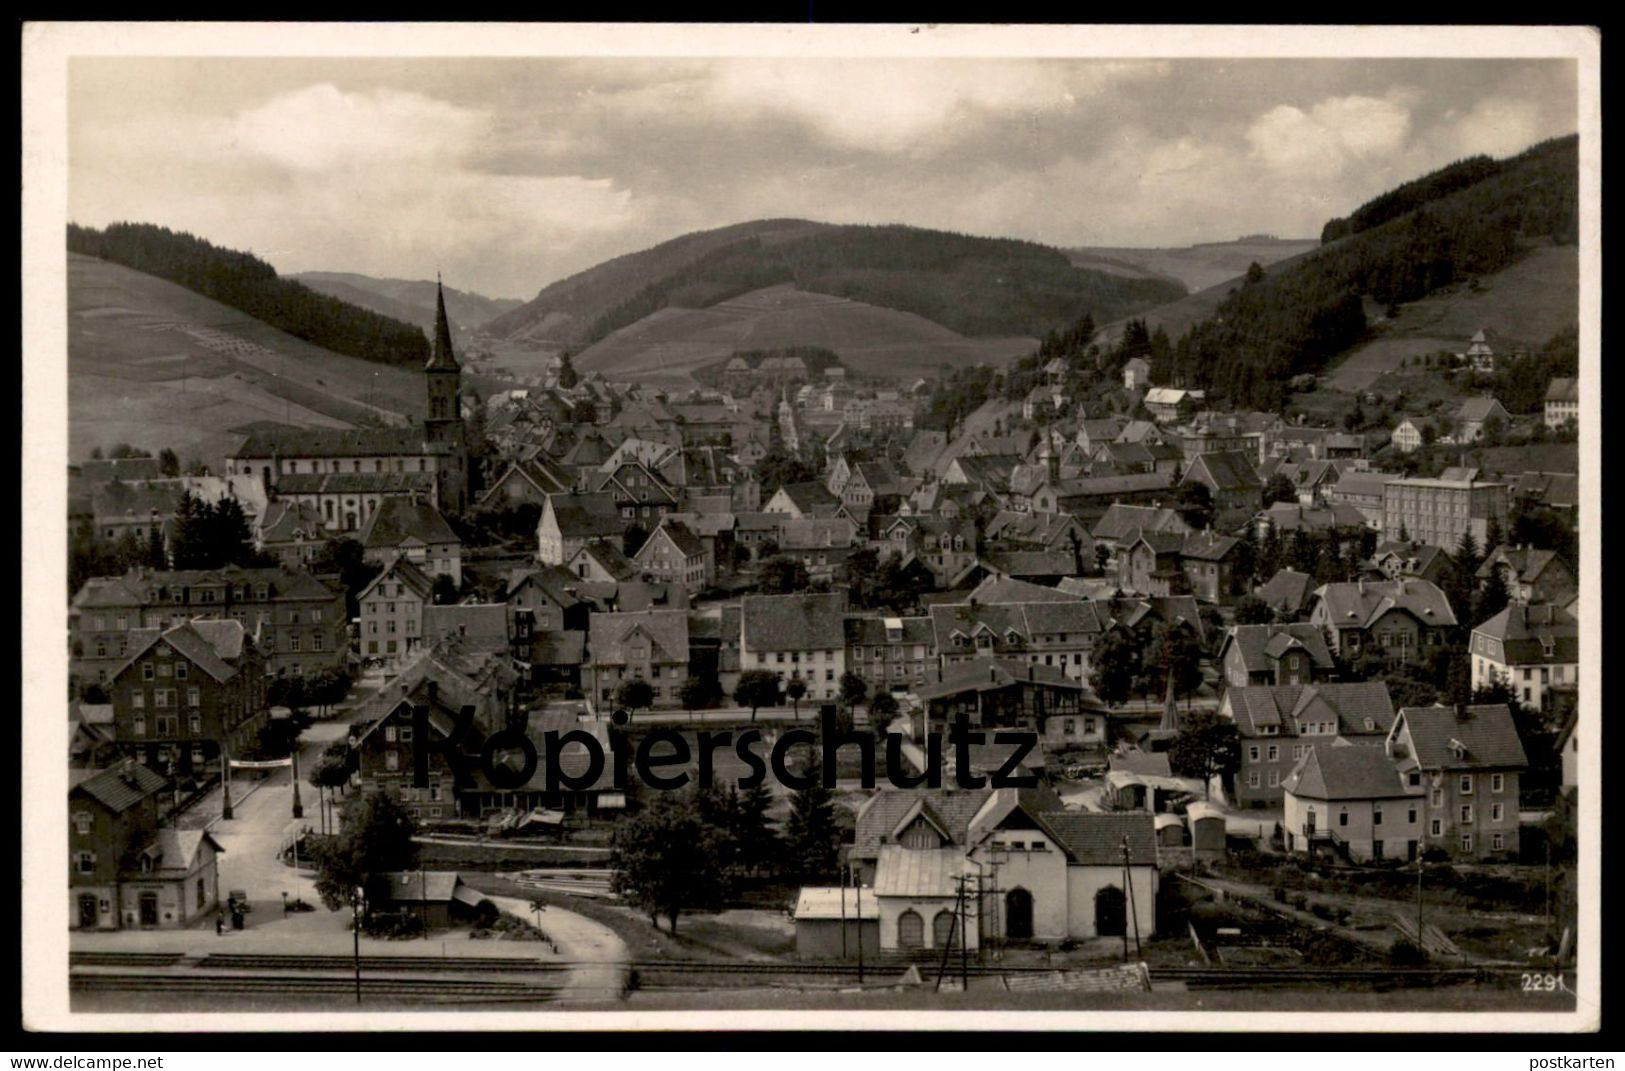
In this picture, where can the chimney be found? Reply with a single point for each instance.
(993, 672)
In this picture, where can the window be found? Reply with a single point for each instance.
(163, 697)
(1274, 752)
(163, 668)
(1497, 782)
(389, 734)
(392, 760)
(1411, 815)
(1252, 753)
(81, 821)
(1495, 812)
(293, 640)
(1497, 842)
(138, 700)
(180, 671)
(194, 697)
(1275, 778)
(1415, 777)
(1466, 812)
(201, 895)
(1466, 842)
(139, 725)
(87, 862)
(406, 734)
(1436, 828)
(1437, 798)
(1252, 778)
(1342, 816)
(195, 724)
(1466, 784)
(316, 640)
(1376, 815)
(146, 671)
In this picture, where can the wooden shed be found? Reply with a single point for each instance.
(829, 926)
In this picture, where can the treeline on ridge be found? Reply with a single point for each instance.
(975, 286)
(1275, 326)
(1410, 195)
(250, 285)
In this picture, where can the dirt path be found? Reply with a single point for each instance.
(601, 956)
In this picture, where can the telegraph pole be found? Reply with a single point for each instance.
(225, 783)
(1134, 911)
(298, 807)
(857, 879)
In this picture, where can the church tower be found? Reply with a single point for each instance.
(443, 422)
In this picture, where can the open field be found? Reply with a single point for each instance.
(1197, 266)
(666, 346)
(156, 365)
(1525, 305)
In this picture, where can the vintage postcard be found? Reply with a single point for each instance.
(742, 527)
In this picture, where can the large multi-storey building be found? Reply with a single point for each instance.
(344, 473)
(1529, 649)
(1468, 760)
(796, 637)
(1439, 511)
(298, 620)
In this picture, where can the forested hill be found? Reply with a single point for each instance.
(974, 286)
(1293, 319)
(250, 285)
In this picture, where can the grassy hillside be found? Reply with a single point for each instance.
(409, 300)
(154, 364)
(1197, 267)
(250, 285)
(1524, 305)
(668, 345)
(1177, 317)
(972, 286)
(1303, 314)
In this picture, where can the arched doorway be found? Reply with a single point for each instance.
(1111, 915)
(1018, 914)
(944, 930)
(910, 930)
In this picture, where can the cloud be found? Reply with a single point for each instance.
(319, 127)
(1499, 126)
(1322, 142)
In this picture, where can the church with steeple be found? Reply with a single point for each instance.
(343, 473)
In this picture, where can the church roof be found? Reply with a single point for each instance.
(441, 358)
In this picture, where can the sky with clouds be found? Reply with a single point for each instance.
(508, 174)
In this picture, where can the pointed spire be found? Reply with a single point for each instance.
(441, 359)
(1170, 712)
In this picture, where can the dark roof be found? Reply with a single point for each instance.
(811, 497)
(405, 571)
(581, 516)
(794, 622)
(1525, 632)
(211, 645)
(1228, 469)
(121, 787)
(879, 817)
(1488, 732)
(397, 520)
(1149, 763)
(1359, 604)
(486, 624)
(1261, 645)
(610, 559)
(991, 674)
(1349, 703)
(337, 442)
(1286, 591)
(1332, 772)
(1094, 839)
(667, 631)
(358, 483)
(1563, 389)
(1121, 520)
(874, 631)
(682, 537)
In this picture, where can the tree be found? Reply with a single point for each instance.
(156, 557)
(1208, 746)
(854, 689)
(757, 688)
(665, 859)
(758, 843)
(1493, 597)
(1251, 610)
(795, 688)
(374, 839)
(635, 694)
(567, 372)
(1113, 666)
(1195, 503)
(168, 463)
(445, 591)
(696, 693)
(1280, 489)
(783, 576)
(882, 709)
(1174, 651)
(812, 837)
(632, 539)
(862, 565)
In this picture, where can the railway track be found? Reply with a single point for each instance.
(415, 990)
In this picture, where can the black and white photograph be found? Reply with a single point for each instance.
(808, 527)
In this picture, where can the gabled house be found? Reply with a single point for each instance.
(1469, 761)
(391, 609)
(1474, 414)
(569, 522)
(797, 637)
(112, 815)
(650, 646)
(1287, 592)
(1353, 800)
(413, 528)
(674, 552)
(799, 500)
(187, 693)
(1274, 654)
(1136, 373)
(1530, 648)
(895, 654)
(1047, 874)
(292, 532)
(602, 563)
(1279, 724)
(528, 482)
(1060, 634)
(1394, 621)
(1531, 575)
(1170, 404)
(1122, 523)
(1562, 403)
(1232, 482)
(1395, 560)
(639, 494)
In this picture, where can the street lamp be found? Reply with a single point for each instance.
(356, 902)
(298, 807)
